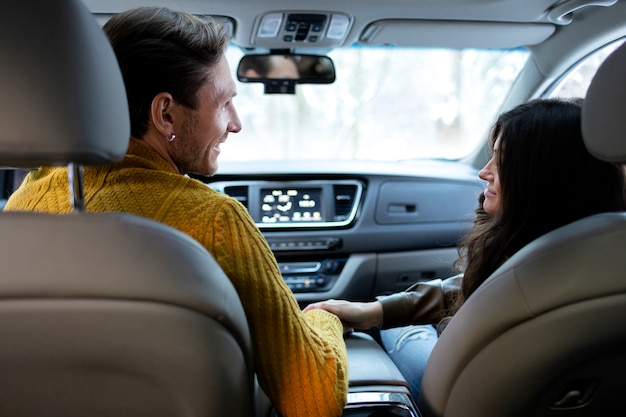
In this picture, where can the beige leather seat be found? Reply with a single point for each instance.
(545, 335)
(100, 314)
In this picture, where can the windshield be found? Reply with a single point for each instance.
(387, 104)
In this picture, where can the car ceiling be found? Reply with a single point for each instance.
(437, 23)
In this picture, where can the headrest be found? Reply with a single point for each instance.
(604, 109)
(62, 96)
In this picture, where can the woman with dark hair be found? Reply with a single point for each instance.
(540, 177)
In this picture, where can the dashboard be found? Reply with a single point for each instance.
(284, 204)
(355, 230)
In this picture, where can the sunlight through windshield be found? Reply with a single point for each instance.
(387, 104)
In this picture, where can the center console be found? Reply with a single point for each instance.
(311, 276)
(301, 221)
(376, 387)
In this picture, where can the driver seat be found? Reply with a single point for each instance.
(101, 314)
(544, 335)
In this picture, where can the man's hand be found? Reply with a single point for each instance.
(354, 315)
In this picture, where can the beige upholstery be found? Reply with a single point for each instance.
(604, 110)
(100, 314)
(544, 335)
(63, 99)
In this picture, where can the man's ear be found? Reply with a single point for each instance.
(162, 113)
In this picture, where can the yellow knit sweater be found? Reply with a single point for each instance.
(301, 358)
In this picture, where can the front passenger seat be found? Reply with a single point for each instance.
(102, 314)
(545, 334)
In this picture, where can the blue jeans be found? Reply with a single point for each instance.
(409, 347)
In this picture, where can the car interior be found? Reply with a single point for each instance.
(90, 327)
(347, 215)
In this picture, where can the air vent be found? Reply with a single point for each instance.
(344, 200)
(239, 193)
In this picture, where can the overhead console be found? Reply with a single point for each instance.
(297, 29)
(303, 204)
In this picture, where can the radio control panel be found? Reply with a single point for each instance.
(311, 276)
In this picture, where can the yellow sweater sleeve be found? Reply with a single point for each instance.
(301, 358)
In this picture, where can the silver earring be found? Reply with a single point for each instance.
(171, 137)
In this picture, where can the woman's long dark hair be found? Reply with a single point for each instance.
(547, 180)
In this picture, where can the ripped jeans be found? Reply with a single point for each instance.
(409, 347)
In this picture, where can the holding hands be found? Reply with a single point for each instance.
(353, 315)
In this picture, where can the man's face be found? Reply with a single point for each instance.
(283, 67)
(203, 130)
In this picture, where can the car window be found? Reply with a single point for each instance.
(387, 104)
(576, 82)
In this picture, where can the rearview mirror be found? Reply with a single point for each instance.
(281, 72)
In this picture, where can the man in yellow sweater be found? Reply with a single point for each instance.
(180, 95)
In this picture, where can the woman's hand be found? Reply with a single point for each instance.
(354, 315)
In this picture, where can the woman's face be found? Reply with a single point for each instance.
(489, 173)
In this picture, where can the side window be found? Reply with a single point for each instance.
(576, 82)
(10, 179)
(6, 182)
